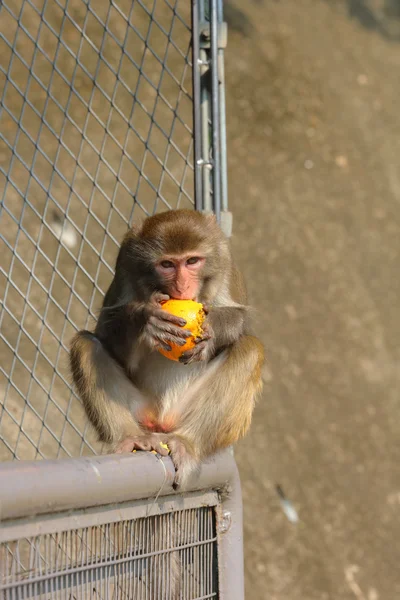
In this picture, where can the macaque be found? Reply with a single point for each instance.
(135, 397)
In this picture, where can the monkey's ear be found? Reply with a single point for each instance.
(132, 234)
(135, 228)
(210, 218)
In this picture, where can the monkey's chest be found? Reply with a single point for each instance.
(165, 381)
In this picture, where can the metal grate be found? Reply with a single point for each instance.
(95, 133)
(132, 559)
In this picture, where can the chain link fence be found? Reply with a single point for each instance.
(95, 134)
(97, 103)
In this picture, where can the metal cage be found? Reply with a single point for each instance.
(107, 527)
(109, 111)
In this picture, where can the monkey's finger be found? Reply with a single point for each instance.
(164, 339)
(160, 449)
(163, 315)
(196, 354)
(143, 445)
(168, 328)
(203, 338)
(177, 479)
(170, 339)
(159, 297)
(186, 358)
(206, 308)
(163, 346)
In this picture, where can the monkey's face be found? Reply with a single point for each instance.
(181, 275)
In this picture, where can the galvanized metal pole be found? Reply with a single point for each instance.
(230, 535)
(222, 110)
(216, 138)
(198, 169)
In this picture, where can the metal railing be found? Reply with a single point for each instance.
(106, 536)
(109, 111)
(96, 132)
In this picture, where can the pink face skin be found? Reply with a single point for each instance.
(181, 275)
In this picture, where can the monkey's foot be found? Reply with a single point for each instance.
(183, 461)
(143, 442)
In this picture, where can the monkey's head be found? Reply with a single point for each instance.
(181, 253)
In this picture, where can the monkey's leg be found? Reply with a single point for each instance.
(219, 406)
(108, 396)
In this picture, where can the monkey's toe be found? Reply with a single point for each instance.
(127, 445)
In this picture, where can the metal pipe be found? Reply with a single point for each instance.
(222, 112)
(216, 142)
(30, 488)
(230, 535)
(205, 133)
(198, 170)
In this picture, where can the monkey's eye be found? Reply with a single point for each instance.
(192, 260)
(167, 264)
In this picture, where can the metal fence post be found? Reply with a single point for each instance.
(209, 41)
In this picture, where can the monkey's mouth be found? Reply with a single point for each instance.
(182, 297)
(189, 294)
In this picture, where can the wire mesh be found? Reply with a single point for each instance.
(95, 133)
(132, 559)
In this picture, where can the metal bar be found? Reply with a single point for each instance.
(33, 488)
(198, 192)
(230, 536)
(13, 529)
(205, 130)
(222, 113)
(216, 138)
(104, 563)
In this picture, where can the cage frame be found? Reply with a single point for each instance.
(39, 497)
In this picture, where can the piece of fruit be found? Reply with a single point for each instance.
(194, 315)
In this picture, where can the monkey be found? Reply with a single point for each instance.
(136, 398)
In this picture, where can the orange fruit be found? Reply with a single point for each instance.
(194, 315)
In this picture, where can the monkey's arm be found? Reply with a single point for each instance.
(222, 328)
(106, 392)
(110, 399)
(227, 324)
(122, 327)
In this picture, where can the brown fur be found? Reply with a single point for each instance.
(119, 373)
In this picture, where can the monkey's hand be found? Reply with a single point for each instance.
(182, 457)
(204, 348)
(161, 327)
(152, 441)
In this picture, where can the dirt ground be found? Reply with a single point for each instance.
(313, 93)
(314, 157)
